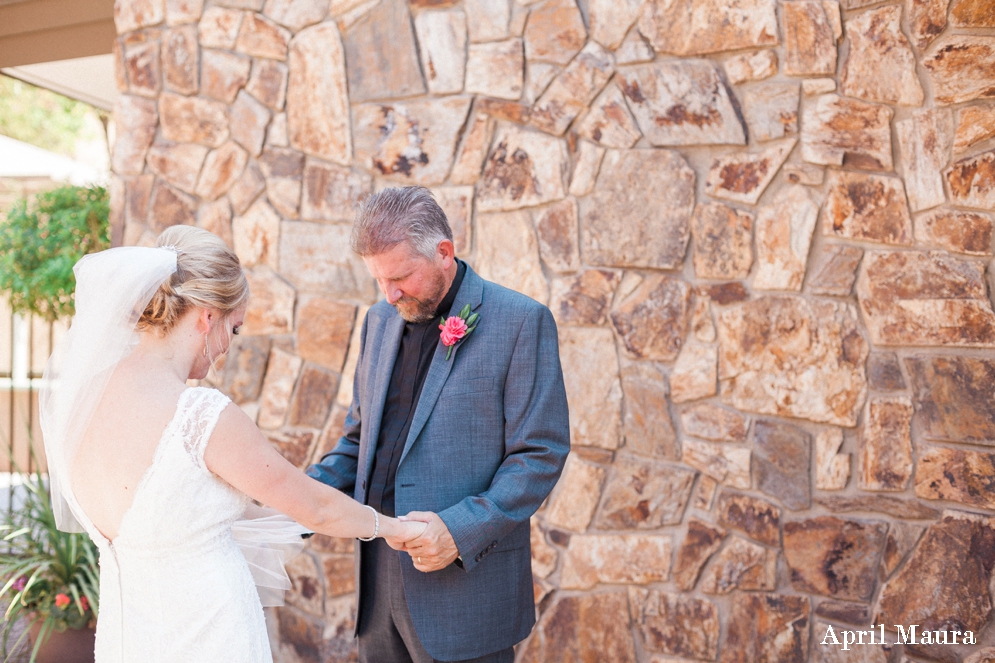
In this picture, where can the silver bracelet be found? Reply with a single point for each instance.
(376, 527)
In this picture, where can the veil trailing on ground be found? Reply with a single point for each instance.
(113, 287)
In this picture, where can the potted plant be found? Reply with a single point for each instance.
(50, 578)
(43, 239)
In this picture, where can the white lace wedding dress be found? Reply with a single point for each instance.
(174, 585)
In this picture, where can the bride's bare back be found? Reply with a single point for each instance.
(119, 444)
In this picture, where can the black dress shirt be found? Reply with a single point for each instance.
(418, 343)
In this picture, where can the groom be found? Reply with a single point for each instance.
(469, 438)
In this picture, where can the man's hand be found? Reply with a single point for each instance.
(435, 548)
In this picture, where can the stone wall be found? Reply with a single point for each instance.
(765, 229)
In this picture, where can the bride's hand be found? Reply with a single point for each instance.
(403, 531)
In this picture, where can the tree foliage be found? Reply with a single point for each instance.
(37, 116)
(41, 242)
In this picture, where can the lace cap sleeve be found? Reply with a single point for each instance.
(203, 409)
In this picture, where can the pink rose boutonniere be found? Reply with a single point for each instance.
(457, 327)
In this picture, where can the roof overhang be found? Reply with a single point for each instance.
(33, 31)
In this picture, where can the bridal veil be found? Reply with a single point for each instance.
(113, 288)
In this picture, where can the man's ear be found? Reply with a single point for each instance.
(446, 252)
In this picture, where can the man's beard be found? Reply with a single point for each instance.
(422, 310)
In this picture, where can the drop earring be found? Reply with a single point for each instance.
(204, 351)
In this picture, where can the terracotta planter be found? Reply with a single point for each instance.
(70, 646)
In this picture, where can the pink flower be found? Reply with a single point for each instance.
(453, 329)
(84, 603)
(62, 601)
(20, 583)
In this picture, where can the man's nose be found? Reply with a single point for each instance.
(391, 292)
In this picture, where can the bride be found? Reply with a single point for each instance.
(159, 473)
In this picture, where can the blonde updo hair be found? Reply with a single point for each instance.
(208, 274)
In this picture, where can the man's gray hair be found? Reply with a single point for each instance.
(393, 216)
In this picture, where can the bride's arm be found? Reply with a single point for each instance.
(239, 453)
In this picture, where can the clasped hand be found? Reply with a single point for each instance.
(430, 544)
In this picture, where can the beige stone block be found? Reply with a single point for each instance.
(224, 74)
(508, 253)
(886, 444)
(142, 64)
(556, 231)
(590, 372)
(473, 151)
(414, 142)
(316, 257)
(695, 372)
(610, 20)
(969, 233)
(751, 66)
(572, 91)
(771, 110)
(972, 181)
(179, 164)
(248, 187)
(653, 319)
(726, 464)
(554, 32)
(838, 131)
(381, 53)
(974, 124)
(742, 565)
(588, 163)
(296, 14)
(625, 559)
(496, 69)
(757, 518)
(700, 543)
(809, 42)
(281, 375)
(919, 298)
(488, 20)
(956, 475)
(834, 557)
(180, 59)
(648, 428)
(880, 66)
(832, 469)
(871, 208)
(457, 204)
(193, 120)
(697, 27)
(811, 368)
(723, 241)
(783, 235)
(170, 207)
(222, 168)
(770, 626)
(317, 97)
(136, 121)
(609, 122)
(960, 68)
(644, 493)
(442, 38)
(670, 100)
(577, 493)
(256, 235)
(218, 27)
(524, 169)
(623, 224)
(271, 307)
(324, 327)
(714, 422)
(262, 38)
(216, 217)
(130, 16)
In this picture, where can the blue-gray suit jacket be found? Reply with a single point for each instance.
(487, 444)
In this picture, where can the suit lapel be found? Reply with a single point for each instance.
(470, 292)
(390, 345)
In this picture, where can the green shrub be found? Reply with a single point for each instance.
(42, 240)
